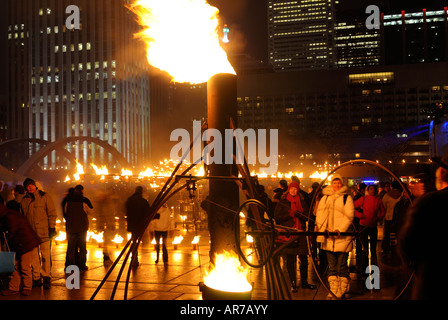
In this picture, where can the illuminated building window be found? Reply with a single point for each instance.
(371, 78)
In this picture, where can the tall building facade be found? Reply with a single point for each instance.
(356, 46)
(415, 37)
(347, 111)
(319, 35)
(301, 34)
(67, 82)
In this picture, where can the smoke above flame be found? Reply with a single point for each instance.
(181, 38)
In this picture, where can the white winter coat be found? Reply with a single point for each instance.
(332, 215)
(165, 221)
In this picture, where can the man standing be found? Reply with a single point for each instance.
(37, 206)
(136, 209)
(76, 210)
(422, 240)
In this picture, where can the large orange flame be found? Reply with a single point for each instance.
(182, 39)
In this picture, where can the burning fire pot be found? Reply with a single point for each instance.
(226, 281)
(215, 294)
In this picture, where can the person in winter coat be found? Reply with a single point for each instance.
(19, 193)
(422, 241)
(162, 224)
(137, 208)
(76, 210)
(335, 213)
(359, 193)
(372, 211)
(278, 192)
(23, 240)
(37, 206)
(390, 199)
(292, 211)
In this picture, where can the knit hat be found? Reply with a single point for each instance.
(28, 181)
(336, 176)
(294, 184)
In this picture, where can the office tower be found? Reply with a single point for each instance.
(301, 34)
(415, 37)
(356, 46)
(67, 82)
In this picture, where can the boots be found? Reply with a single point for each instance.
(333, 281)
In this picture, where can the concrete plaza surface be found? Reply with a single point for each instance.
(177, 280)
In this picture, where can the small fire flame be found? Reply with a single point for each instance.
(147, 173)
(178, 239)
(79, 168)
(195, 240)
(319, 175)
(100, 171)
(118, 239)
(125, 172)
(182, 38)
(155, 242)
(61, 236)
(227, 274)
(98, 237)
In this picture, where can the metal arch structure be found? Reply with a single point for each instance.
(8, 143)
(58, 145)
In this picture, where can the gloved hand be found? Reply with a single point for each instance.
(52, 232)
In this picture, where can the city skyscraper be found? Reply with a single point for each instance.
(416, 36)
(356, 46)
(301, 34)
(67, 82)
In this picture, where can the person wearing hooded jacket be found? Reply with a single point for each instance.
(335, 213)
(38, 207)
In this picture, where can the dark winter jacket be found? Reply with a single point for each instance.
(76, 210)
(19, 234)
(422, 242)
(284, 216)
(136, 209)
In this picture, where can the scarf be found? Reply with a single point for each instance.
(296, 205)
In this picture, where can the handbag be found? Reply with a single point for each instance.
(7, 259)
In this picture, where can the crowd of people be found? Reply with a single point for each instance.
(358, 212)
(343, 218)
(28, 223)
